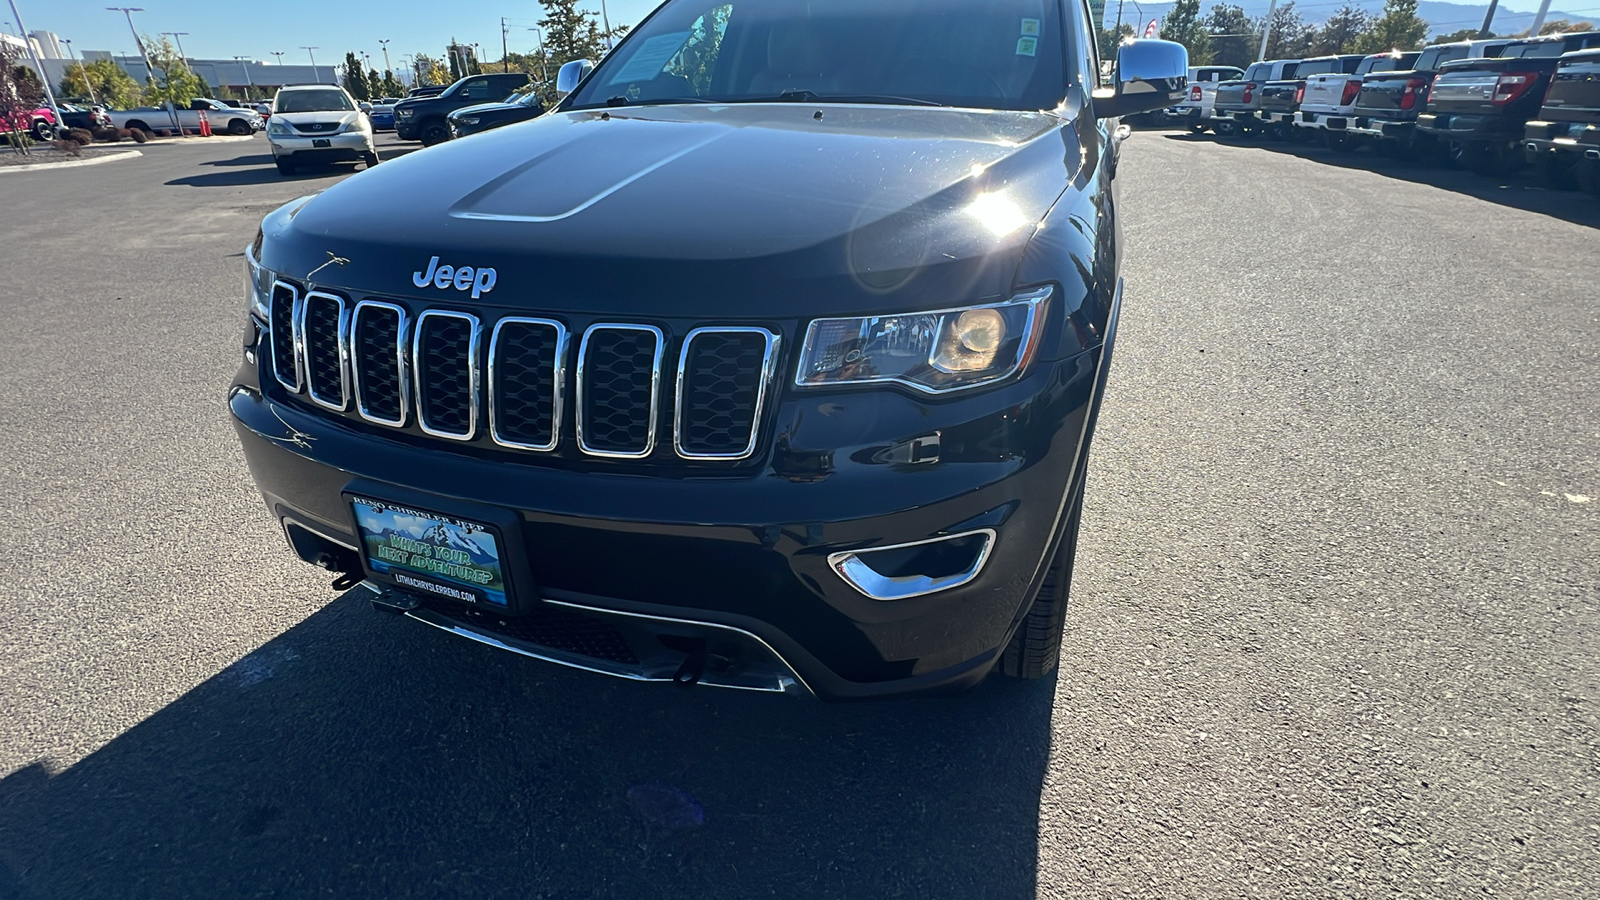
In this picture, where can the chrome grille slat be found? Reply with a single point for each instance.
(723, 377)
(617, 419)
(444, 356)
(283, 331)
(378, 362)
(325, 355)
(527, 383)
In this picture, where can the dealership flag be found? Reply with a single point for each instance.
(1150, 30)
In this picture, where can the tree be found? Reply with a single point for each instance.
(375, 85)
(1562, 26)
(1465, 34)
(176, 83)
(1290, 37)
(1182, 25)
(1233, 36)
(570, 33)
(431, 71)
(354, 81)
(20, 94)
(1109, 41)
(1341, 32)
(391, 85)
(1399, 28)
(101, 80)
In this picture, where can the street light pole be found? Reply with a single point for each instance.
(387, 69)
(149, 70)
(178, 37)
(279, 55)
(314, 76)
(87, 81)
(38, 66)
(249, 82)
(605, 19)
(544, 69)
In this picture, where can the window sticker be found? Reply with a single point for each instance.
(648, 61)
(1030, 27)
(1028, 46)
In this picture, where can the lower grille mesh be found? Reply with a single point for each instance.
(557, 629)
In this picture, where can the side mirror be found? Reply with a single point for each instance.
(365, 106)
(571, 75)
(1149, 75)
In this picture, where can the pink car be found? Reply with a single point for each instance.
(42, 124)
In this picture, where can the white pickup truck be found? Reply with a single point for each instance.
(1328, 101)
(220, 116)
(1195, 110)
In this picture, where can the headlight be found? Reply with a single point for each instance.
(403, 113)
(257, 281)
(468, 120)
(359, 123)
(279, 127)
(936, 352)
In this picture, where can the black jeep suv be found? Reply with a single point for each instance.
(426, 119)
(768, 359)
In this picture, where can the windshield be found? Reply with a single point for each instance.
(327, 100)
(992, 54)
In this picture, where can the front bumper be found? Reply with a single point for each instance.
(349, 145)
(405, 128)
(747, 553)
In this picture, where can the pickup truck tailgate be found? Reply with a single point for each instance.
(1279, 96)
(1231, 95)
(1325, 91)
(1575, 91)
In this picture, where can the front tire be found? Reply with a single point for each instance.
(43, 131)
(370, 158)
(239, 128)
(435, 133)
(1035, 647)
(285, 167)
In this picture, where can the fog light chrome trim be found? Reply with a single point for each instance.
(849, 565)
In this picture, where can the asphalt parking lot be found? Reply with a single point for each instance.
(1334, 625)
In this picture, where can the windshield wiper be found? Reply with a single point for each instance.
(615, 102)
(814, 97)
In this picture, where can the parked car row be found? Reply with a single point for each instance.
(427, 118)
(1491, 105)
(220, 117)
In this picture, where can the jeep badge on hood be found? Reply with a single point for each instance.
(444, 277)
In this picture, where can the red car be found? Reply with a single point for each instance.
(41, 124)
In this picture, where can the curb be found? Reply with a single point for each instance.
(94, 161)
(193, 140)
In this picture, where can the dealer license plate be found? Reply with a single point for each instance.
(431, 553)
(321, 142)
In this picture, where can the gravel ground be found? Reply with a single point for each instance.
(1334, 628)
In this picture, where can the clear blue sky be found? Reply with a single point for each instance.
(334, 26)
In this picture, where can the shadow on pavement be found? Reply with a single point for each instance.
(1519, 190)
(258, 168)
(359, 755)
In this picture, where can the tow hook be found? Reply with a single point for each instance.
(694, 665)
(395, 602)
(347, 580)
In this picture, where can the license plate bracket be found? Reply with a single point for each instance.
(321, 143)
(439, 551)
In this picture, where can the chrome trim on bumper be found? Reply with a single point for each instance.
(849, 566)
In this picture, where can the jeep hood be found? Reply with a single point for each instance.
(737, 211)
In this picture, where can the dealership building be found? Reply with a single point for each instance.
(245, 78)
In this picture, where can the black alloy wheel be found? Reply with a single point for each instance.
(435, 132)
